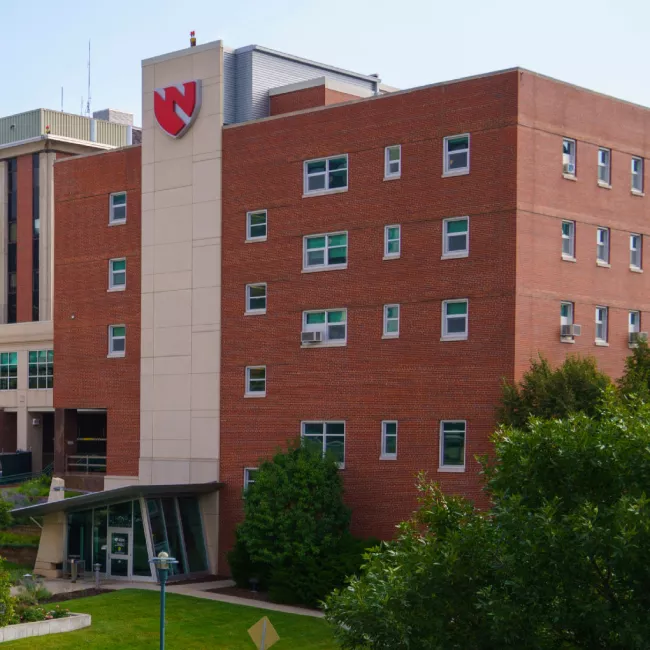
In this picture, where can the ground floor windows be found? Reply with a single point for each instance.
(41, 368)
(123, 537)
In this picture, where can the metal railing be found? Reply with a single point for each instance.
(22, 478)
(86, 464)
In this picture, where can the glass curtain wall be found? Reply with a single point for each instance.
(174, 524)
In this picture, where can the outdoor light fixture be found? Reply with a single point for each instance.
(163, 564)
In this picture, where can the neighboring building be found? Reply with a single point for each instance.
(362, 274)
(29, 145)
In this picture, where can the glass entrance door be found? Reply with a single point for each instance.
(120, 552)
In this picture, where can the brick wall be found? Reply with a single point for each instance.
(25, 221)
(83, 308)
(550, 111)
(417, 379)
(299, 100)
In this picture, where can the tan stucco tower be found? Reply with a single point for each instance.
(181, 276)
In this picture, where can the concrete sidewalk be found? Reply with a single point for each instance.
(196, 590)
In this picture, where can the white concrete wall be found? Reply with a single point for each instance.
(181, 276)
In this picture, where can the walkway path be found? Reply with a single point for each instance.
(196, 590)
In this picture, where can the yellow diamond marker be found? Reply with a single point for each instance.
(263, 634)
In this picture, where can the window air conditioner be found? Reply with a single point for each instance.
(570, 330)
(569, 168)
(635, 337)
(311, 337)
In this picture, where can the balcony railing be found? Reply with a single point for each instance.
(86, 464)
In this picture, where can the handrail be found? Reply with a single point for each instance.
(28, 476)
(85, 464)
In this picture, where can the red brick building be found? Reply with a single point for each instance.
(334, 260)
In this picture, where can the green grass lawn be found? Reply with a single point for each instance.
(130, 619)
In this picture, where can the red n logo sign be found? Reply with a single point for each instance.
(176, 107)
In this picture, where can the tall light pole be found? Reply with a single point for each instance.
(163, 564)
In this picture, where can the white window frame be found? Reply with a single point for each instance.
(325, 266)
(387, 334)
(324, 327)
(384, 436)
(392, 256)
(111, 341)
(571, 238)
(249, 310)
(48, 375)
(638, 175)
(567, 320)
(254, 393)
(454, 336)
(249, 215)
(112, 220)
(634, 329)
(111, 274)
(459, 171)
(326, 173)
(451, 468)
(248, 481)
(602, 319)
(636, 251)
(325, 423)
(602, 241)
(446, 253)
(569, 158)
(388, 175)
(605, 168)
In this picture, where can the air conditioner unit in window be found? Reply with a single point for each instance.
(635, 337)
(570, 330)
(569, 168)
(311, 337)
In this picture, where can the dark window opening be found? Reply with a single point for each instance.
(12, 199)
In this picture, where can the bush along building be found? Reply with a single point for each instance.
(298, 251)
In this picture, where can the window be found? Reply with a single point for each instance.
(601, 324)
(41, 368)
(332, 323)
(566, 320)
(602, 246)
(637, 175)
(634, 323)
(256, 298)
(326, 175)
(256, 381)
(604, 166)
(391, 321)
(455, 237)
(388, 440)
(568, 239)
(116, 340)
(326, 251)
(636, 245)
(569, 157)
(392, 241)
(454, 319)
(256, 225)
(117, 274)
(249, 477)
(452, 445)
(456, 156)
(326, 436)
(117, 212)
(9, 371)
(393, 162)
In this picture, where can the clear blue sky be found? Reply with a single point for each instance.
(600, 44)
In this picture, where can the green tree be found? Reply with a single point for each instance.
(295, 537)
(559, 563)
(636, 378)
(544, 392)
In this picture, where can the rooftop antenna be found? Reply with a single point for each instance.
(62, 99)
(89, 97)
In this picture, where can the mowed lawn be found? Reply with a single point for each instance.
(130, 619)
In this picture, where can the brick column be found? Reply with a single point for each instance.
(25, 240)
(65, 430)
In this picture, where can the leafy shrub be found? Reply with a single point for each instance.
(6, 600)
(574, 387)
(36, 488)
(8, 538)
(295, 538)
(32, 591)
(6, 519)
(636, 378)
